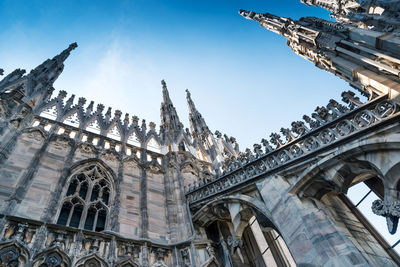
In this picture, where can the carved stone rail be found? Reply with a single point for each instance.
(331, 128)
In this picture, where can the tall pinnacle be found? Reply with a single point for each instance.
(50, 69)
(201, 133)
(64, 54)
(166, 98)
(340, 48)
(169, 118)
(269, 21)
(378, 15)
(192, 107)
(197, 124)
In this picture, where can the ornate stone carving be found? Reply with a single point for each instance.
(234, 243)
(210, 250)
(330, 129)
(13, 76)
(258, 150)
(87, 148)
(9, 257)
(299, 128)
(185, 253)
(389, 210)
(276, 140)
(160, 254)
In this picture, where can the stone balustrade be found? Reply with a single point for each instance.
(328, 127)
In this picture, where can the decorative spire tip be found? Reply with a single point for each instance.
(246, 14)
(164, 84)
(72, 46)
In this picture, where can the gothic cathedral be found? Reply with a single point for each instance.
(81, 185)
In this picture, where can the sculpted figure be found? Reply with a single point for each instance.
(287, 134)
(249, 154)
(299, 128)
(242, 158)
(276, 140)
(313, 124)
(351, 99)
(258, 150)
(265, 143)
(336, 108)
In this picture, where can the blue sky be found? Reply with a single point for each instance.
(244, 80)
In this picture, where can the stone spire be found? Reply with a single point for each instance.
(345, 50)
(270, 22)
(202, 134)
(198, 125)
(340, 7)
(50, 69)
(380, 15)
(170, 123)
(38, 84)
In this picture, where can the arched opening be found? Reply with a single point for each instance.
(350, 206)
(248, 238)
(52, 258)
(265, 245)
(91, 261)
(13, 256)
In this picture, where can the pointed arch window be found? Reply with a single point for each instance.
(52, 259)
(87, 199)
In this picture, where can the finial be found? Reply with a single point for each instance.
(165, 92)
(62, 94)
(164, 84)
(72, 46)
(135, 120)
(247, 14)
(64, 54)
(81, 101)
(117, 113)
(190, 102)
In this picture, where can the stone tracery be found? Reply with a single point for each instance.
(87, 200)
